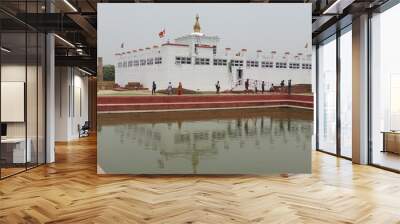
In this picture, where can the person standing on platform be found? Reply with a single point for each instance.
(153, 88)
(169, 89)
(272, 89)
(289, 86)
(262, 87)
(218, 87)
(180, 89)
(282, 85)
(246, 85)
(255, 87)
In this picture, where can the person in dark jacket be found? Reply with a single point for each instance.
(153, 88)
(289, 86)
(246, 85)
(262, 87)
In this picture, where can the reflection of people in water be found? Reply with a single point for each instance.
(262, 123)
(246, 127)
(179, 124)
(195, 161)
(281, 127)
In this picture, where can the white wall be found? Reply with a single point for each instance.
(202, 77)
(71, 87)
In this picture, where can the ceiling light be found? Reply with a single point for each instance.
(70, 5)
(64, 40)
(338, 6)
(5, 50)
(84, 71)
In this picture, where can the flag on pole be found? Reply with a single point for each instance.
(162, 33)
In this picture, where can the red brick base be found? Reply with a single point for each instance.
(131, 103)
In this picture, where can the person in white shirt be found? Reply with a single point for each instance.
(218, 87)
(169, 89)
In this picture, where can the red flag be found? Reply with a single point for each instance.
(162, 33)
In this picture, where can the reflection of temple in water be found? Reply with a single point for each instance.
(196, 141)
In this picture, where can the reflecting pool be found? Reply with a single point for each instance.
(256, 141)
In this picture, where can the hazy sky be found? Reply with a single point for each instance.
(280, 27)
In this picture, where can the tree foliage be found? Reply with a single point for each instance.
(109, 72)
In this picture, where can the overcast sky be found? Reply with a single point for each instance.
(280, 27)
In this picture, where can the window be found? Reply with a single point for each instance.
(252, 63)
(125, 64)
(220, 62)
(267, 64)
(158, 60)
(202, 61)
(183, 60)
(294, 65)
(130, 63)
(120, 65)
(385, 89)
(306, 66)
(281, 65)
(327, 96)
(142, 62)
(237, 62)
(346, 94)
(149, 61)
(136, 63)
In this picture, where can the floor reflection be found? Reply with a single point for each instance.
(220, 145)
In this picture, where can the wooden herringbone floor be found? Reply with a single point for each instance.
(69, 191)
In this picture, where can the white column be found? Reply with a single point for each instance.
(360, 90)
(50, 99)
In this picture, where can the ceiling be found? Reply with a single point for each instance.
(75, 21)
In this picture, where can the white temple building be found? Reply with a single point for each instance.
(198, 63)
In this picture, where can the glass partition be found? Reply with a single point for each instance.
(327, 95)
(385, 89)
(14, 153)
(22, 77)
(346, 93)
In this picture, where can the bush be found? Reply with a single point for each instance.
(109, 72)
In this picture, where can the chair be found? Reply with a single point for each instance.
(84, 130)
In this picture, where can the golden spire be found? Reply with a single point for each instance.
(196, 27)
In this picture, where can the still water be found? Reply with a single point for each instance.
(257, 141)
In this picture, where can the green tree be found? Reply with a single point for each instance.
(109, 72)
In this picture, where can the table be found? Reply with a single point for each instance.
(391, 141)
(14, 148)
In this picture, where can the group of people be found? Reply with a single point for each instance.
(218, 87)
(272, 88)
(247, 85)
(289, 87)
(179, 90)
